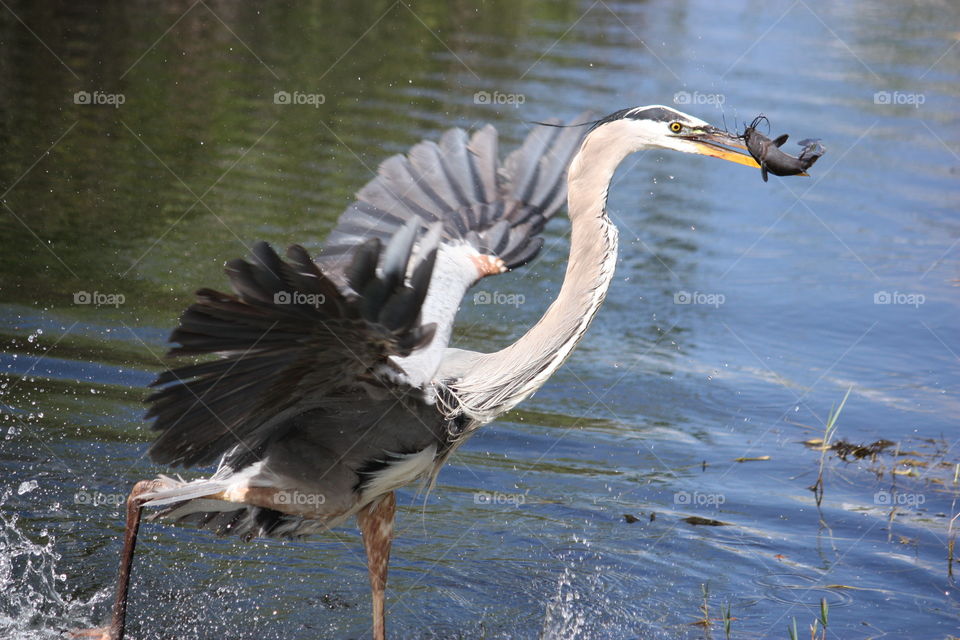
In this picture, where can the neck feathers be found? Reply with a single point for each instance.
(505, 378)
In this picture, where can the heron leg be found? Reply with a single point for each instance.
(376, 525)
(134, 509)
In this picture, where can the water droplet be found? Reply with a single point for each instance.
(27, 487)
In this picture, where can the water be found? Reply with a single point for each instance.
(148, 198)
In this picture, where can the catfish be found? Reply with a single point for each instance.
(771, 159)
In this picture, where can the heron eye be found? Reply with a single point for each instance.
(676, 127)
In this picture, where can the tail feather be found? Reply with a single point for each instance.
(177, 491)
(190, 503)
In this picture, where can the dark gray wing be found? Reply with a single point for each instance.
(288, 336)
(499, 208)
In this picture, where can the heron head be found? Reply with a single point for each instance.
(657, 126)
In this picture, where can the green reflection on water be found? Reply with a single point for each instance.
(150, 198)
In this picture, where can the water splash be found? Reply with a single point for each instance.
(565, 617)
(594, 598)
(27, 486)
(33, 590)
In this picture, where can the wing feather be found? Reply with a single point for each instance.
(498, 207)
(288, 334)
(296, 331)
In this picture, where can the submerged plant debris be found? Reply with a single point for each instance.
(846, 450)
(928, 459)
(708, 522)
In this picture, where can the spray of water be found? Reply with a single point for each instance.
(33, 591)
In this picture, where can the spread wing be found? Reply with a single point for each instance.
(497, 208)
(375, 308)
(286, 336)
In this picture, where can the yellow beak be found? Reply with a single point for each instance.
(727, 154)
(720, 144)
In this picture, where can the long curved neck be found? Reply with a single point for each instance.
(505, 378)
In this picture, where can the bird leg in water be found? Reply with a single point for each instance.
(376, 525)
(134, 510)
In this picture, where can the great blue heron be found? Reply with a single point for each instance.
(334, 384)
